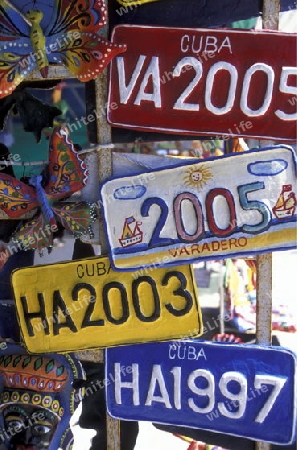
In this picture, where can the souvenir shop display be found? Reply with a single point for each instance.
(159, 182)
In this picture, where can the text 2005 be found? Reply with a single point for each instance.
(184, 236)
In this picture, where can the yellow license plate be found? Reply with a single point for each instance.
(84, 304)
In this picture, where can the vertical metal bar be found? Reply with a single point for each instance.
(105, 171)
(222, 299)
(264, 262)
(264, 299)
(270, 17)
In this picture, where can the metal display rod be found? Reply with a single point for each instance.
(102, 159)
(270, 21)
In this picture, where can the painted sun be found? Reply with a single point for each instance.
(197, 176)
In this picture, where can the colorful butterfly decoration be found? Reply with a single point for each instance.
(34, 34)
(67, 175)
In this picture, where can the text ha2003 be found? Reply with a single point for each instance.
(85, 304)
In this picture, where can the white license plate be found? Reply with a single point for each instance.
(231, 206)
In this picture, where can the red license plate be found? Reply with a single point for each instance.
(221, 83)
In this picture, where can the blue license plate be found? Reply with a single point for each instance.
(241, 390)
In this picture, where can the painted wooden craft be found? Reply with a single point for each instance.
(205, 82)
(37, 399)
(84, 304)
(67, 175)
(235, 205)
(35, 34)
(247, 391)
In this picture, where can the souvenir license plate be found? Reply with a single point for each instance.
(200, 81)
(232, 206)
(85, 304)
(241, 390)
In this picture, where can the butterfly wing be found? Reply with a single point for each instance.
(84, 54)
(76, 217)
(34, 234)
(16, 197)
(72, 39)
(12, 24)
(15, 65)
(82, 15)
(68, 173)
(16, 60)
